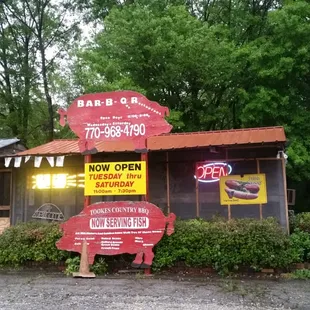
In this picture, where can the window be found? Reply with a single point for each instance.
(57, 181)
(5, 188)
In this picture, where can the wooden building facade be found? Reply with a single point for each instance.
(171, 173)
(8, 148)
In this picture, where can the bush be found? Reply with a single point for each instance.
(301, 222)
(32, 241)
(300, 246)
(99, 267)
(301, 274)
(226, 245)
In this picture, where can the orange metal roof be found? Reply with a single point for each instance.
(171, 141)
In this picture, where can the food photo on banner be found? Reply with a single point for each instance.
(243, 189)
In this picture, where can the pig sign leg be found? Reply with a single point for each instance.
(148, 258)
(91, 259)
(138, 260)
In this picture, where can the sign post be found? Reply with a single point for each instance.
(115, 116)
(87, 199)
(144, 158)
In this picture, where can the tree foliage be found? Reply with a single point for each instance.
(279, 67)
(35, 35)
(216, 64)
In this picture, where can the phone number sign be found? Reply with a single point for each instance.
(115, 116)
(115, 178)
(115, 131)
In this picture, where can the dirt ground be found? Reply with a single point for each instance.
(50, 290)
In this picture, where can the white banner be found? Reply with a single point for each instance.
(17, 162)
(51, 161)
(7, 161)
(60, 161)
(37, 161)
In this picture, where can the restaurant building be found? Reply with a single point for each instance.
(8, 147)
(48, 184)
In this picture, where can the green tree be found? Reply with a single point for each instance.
(278, 92)
(171, 57)
(36, 36)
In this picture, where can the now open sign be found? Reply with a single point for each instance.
(207, 172)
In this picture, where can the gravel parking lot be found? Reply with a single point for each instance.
(27, 291)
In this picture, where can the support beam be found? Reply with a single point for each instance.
(87, 199)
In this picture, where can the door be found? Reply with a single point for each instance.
(5, 199)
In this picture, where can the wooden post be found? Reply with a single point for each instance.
(197, 194)
(228, 206)
(285, 194)
(84, 271)
(168, 182)
(87, 199)
(260, 205)
(229, 212)
(144, 157)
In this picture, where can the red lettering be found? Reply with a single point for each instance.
(223, 172)
(208, 172)
(212, 171)
(215, 172)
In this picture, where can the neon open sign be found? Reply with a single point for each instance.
(211, 172)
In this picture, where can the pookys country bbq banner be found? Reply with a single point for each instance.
(115, 178)
(243, 190)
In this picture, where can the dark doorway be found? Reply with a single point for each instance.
(5, 199)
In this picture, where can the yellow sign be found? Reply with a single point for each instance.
(117, 178)
(243, 190)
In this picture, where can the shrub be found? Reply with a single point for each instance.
(32, 241)
(225, 245)
(300, 246)
(301, 222)
(301, 274)
(99, 267)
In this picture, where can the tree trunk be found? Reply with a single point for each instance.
(47, 94)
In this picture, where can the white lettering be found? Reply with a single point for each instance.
(112, 223)
(89, 103)
(109, 102)
(80, 103)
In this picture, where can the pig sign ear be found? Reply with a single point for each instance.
(62, 112)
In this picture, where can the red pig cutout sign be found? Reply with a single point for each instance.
(115, 116)
(112, 228)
